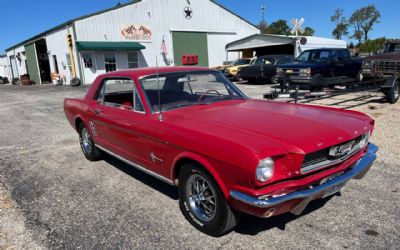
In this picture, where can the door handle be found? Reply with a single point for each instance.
(97, 111)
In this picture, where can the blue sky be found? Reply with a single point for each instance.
(22, 19)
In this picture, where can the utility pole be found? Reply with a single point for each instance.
(262, 13)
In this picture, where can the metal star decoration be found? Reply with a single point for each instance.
(188, 12)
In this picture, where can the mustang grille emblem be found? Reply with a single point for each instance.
(342, 149)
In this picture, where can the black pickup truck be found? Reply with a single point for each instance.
(321, 67)
(264, 68)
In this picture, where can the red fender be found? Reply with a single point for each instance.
(202, 161)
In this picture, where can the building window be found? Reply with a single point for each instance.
(69, 65)
(110, 61)
(133, 61)
(87, 60)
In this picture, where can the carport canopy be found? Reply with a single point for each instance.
(259, 41)
(112, 46)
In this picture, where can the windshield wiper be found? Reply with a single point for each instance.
(183, 105)
(177, 106)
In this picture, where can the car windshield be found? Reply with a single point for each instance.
(241, 62)
(182, 89)
(314, 56)
(392, 47)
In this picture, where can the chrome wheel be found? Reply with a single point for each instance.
(201, 197)
(86, 141)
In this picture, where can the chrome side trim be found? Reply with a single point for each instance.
(162, 178)
(357, 172)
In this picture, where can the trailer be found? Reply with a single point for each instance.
(390, 87)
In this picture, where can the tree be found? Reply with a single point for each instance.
(363, 20)
(308, 31)
(373, 45)
(262, 26)
(278, 27)
(341, 24)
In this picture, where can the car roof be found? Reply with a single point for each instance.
(139, 72)
(325, 49)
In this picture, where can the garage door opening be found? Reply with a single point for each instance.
(43, 61)
(37, 62)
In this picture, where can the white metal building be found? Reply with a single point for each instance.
(4, 66)
(128, 36)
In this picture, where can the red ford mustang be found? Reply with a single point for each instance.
(227, 154)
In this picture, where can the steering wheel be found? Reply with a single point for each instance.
(207, 92)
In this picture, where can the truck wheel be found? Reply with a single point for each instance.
(318, 80)
(392, 95)
(202, 202)
(87, 144)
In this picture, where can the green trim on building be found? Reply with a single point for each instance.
(111, 46)
(32, 63)
(190, 43)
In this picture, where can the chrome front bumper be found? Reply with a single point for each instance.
(357, 172)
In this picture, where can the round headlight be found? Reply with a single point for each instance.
(265, 169)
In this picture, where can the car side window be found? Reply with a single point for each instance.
(122, 93)
(284, 60)
(345, 54)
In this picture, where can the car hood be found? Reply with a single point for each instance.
(297, 65)
(296, 128)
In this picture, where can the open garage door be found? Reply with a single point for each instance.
(263, 44)
(190, 43)
(31, 63)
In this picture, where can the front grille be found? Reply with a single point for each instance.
(387, 66)
(323, 155)
(316, 157)
(292, 72)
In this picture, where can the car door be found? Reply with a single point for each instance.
(351, 67)
(118, 120)
(337, 63)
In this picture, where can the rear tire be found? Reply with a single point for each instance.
(203, 204)
(89, 149)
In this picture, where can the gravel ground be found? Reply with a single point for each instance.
(51, 197)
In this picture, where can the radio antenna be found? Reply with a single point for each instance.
(160, 117)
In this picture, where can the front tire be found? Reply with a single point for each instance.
(89, 149)
(203, 204)
(393, 94)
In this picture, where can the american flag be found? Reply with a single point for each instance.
(164, 47)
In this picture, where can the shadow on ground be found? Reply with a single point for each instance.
(249, 225)
(252, 225)
(141, 176)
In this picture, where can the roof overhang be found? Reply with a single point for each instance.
(110, 46)
(258, 41)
